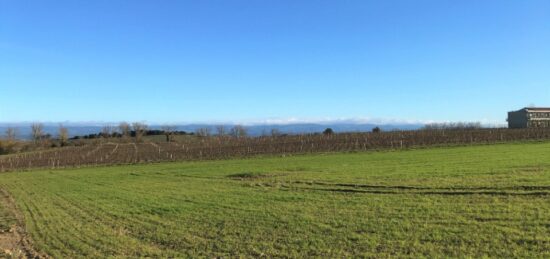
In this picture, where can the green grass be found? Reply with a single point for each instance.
(479, 201)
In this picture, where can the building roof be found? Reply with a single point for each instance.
(534, 109)
(537, 109)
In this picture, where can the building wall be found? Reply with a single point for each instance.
(540, 115)
(517, 120)
(528, 119)
(539, 124)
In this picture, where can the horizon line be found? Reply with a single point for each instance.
(261, 122)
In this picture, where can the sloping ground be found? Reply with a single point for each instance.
(480, 201)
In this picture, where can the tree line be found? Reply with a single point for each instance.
(134, 132)
(124, 131)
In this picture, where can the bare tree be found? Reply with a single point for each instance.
(238, 131)
(453, 126)
(220, 129)
(37, 131)
(106, 131)
(63, 135)
(11, 133)
(9, 145)
(275, 133)
(203, 132)
(168, 131)
(139, 130)
(124, 129)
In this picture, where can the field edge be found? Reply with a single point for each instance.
(15, 243)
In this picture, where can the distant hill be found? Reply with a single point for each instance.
(24, 130)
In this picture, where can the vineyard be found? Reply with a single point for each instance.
(208, 148)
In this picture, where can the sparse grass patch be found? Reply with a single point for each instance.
(6, 219)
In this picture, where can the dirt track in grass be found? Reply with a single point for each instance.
(14, 243)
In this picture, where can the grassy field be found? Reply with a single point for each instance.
(490, 200)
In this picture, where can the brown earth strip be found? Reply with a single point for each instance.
(418, 190)
(15, 243)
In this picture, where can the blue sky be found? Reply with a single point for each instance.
(239, 61)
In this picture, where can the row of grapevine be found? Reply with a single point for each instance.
(228, 147)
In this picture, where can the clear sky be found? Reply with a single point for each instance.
(201, 61)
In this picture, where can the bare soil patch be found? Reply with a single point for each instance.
(14, 242)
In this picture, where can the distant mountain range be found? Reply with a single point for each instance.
(24, 129)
